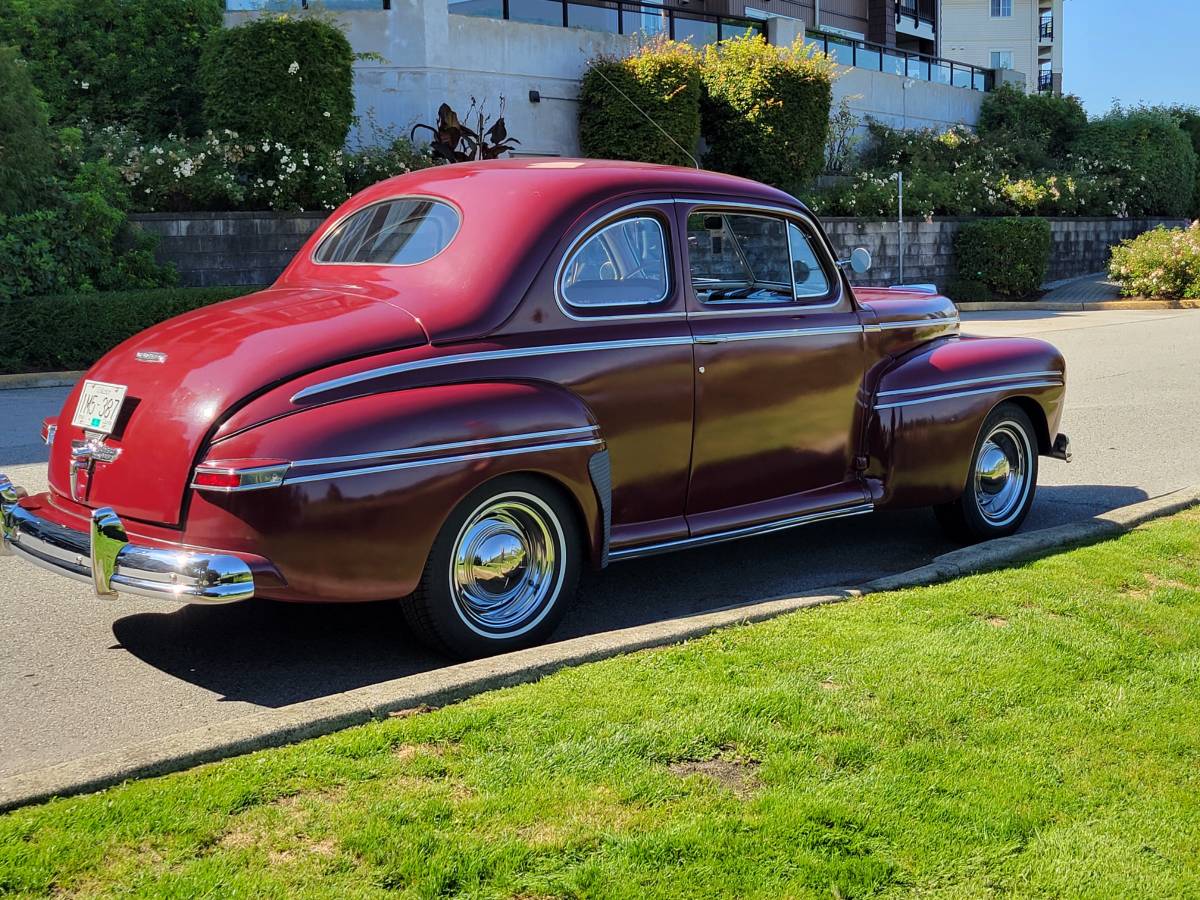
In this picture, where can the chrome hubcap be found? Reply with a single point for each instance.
(1002, 473)
(506, 567)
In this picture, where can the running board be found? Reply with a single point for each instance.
(738, 533)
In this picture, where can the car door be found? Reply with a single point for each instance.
(779, 356)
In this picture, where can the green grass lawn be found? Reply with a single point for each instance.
(1032, 732)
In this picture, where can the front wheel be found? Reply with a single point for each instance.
(502, 571)
(1001, 480)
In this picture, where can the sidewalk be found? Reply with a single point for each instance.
(1087, 292)
(1094, 288)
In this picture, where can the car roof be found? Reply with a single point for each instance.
(514, 211)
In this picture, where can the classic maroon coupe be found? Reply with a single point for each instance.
(475, 379)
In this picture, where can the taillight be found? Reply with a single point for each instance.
(49, 427)
(227, 476)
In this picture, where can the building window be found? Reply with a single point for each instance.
(1002, 59)
(1001, 9)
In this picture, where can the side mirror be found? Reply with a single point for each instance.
(859, 261)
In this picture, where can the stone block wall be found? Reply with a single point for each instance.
(1079, 246)
(254, 247)
(211, 248)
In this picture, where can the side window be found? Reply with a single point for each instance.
(739, 257)
(622, 264)
(810, 279)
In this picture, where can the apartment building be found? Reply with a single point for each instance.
(909, 25)
(1021, 35)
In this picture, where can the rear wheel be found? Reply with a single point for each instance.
(502, 571)
(1001, 481)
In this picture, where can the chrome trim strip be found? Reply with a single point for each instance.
(738, 533)
(940, 321)
(988, 390)
(780, 333)
(967, 382)
(435, 448)
(486, 356)
(441, 461)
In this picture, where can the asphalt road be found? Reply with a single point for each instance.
(79, 675)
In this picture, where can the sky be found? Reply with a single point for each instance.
(1132, 52)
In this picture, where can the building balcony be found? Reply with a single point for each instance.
(917, 18)
(1046, 29)
(905, 63)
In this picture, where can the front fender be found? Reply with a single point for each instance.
(928, 408)
(374, 477)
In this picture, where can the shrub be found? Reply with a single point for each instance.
(662, 78)
(83, 242)
(1189, 120)
(26, 151)
(225, 172)
(1039, 129)
(131, 62)
(1148, 152)
(86, 326)
(1159, 264)
(280, 79)
(1009, 256)
(765, 109)
(967, 290)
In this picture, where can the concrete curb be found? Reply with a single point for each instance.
(1072, 306)
(38, 380)
(311, 718)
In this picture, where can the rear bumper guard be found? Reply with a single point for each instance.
(105, 557)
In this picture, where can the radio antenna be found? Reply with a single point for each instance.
(599, 71)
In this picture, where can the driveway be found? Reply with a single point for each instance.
(79, 675)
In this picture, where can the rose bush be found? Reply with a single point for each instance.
(1163, 263)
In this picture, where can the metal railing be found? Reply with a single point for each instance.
(920, 11)
(1046, 28)
(935, 69)
(615, 17)
(1045, 81)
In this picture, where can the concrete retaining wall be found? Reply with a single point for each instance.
(253, 248)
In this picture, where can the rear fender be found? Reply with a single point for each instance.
(929, 407)
(373, 478)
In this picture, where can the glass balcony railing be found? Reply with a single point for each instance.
(876, 57)
(614, 16)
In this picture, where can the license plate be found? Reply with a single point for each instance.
(98, 407)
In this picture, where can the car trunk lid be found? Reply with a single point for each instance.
(186, 374)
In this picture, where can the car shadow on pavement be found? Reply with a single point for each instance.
(274, 654)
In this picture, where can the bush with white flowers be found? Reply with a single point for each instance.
(1160, 264)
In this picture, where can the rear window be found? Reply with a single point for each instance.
(400, 232)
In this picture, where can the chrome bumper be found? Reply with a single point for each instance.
(107, 560)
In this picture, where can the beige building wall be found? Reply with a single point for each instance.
(971, 34)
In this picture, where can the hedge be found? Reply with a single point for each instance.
(765, 109)
(1148, 150)
(69, 332)
(280, 79)
(131, 62)
(1038, 129)
(26, 144)
(663, 79)
(1009, 256)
